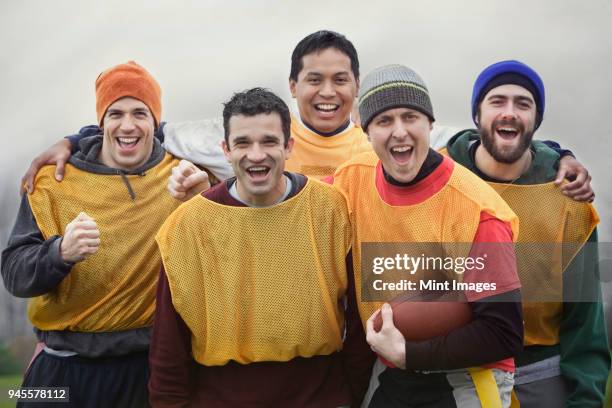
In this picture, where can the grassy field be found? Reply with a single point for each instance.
(8, 382)
(608, 401)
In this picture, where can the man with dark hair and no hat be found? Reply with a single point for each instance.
(565, 361)
(324, 80)
(250, 307)
(84, 251)
(406, 192)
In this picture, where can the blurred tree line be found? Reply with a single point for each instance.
(16, 337)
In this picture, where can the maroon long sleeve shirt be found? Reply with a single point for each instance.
(177, 380)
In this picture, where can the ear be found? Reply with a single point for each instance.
(289, 148)
(226, 150)
(292, 84)
(355, 117)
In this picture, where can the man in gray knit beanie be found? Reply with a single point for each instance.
(406, 192)
(393, 86)
(397, 91)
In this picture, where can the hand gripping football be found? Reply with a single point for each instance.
(418, 320)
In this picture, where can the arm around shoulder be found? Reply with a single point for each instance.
(199, 142)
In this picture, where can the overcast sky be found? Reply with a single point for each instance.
(201, 51)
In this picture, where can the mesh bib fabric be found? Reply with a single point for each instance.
(113, 289)
(553, 230)
(318, 156)
(450, 216)
(259, 284)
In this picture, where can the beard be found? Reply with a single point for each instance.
(505, 154)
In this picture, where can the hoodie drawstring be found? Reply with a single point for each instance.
(127, 183)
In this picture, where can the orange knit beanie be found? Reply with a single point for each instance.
(123, 80)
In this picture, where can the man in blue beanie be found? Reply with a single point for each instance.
(509, 73)
(565, 361)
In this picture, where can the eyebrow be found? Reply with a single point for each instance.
(239, 139)
(525, 98)
(318, 74)
(409, 112)
(266, 138)
(382, 116)
(518, 97)
(271, 137)
(116, 110)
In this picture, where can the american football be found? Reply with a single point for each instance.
(419, 321)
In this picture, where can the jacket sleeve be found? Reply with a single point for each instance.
(585, 358)
(170, 358)
(31, 265)
(496, 330)
(84, 132)
(198, 141)
(557, 148)
(357, 355)
(440, 135)
(494, 334)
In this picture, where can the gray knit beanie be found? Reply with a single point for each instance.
(389, 87)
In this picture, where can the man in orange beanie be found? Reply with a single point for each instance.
(84, 251)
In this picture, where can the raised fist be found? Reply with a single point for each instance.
(81, 239)
(187, 180)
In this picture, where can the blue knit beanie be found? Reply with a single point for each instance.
(509, 72)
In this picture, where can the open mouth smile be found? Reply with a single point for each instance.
(507, 132)
(258, 173)
(326, 109)
(401, 154)
(127, 143)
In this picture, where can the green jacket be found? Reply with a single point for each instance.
(583, 346)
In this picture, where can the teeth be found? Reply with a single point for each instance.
(258, 169)
(507, 129)
(401, 149)
(128, 140)
(326, 106)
